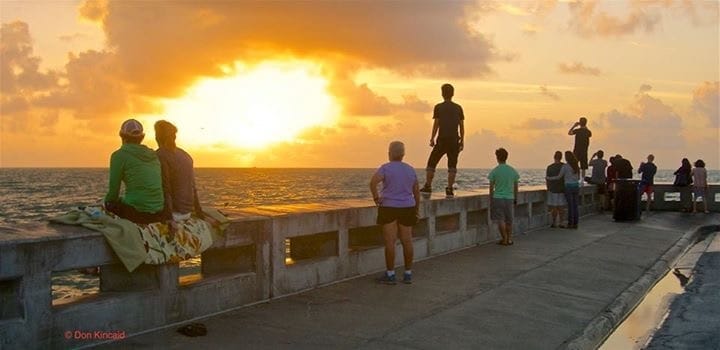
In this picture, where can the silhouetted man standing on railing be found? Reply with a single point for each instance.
(449, 127)
(582, 143)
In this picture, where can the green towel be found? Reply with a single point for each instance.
(122, 235)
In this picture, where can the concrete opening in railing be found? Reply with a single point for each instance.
(447, 223)
(10, 303)
(539, 208)
(361, 238)
(116, 278)
(240, 259)
(671, 197)
(189, 270)
(477, 218)
(522, 210)
(421, 228)
(72, 285)
(319, 245)
(644, 197)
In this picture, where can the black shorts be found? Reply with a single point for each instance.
(404, 216)
(449, 146)
(128, 212)
(581, 155)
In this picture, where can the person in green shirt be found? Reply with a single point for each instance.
(138, 168)
(503, 195)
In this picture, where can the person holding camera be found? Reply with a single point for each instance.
(582, 143)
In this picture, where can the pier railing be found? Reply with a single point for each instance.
(266, 253)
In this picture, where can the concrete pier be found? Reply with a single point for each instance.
(554, 288)
(272, 252)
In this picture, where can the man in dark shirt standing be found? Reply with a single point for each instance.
(448, 120)
(178, 177)
(647, 171)
(582, 142)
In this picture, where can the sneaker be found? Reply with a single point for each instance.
(449, 192)
(407, 278)
(426, 189)
(385, 279)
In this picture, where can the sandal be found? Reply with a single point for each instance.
(193, 330)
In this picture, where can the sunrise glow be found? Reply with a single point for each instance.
(253, 107)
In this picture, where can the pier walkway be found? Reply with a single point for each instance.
(555, 288)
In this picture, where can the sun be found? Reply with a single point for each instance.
(255, 107)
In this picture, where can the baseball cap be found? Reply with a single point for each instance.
(131, 127)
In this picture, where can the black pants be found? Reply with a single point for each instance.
(127, 212)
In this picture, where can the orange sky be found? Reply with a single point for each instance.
(325, 84)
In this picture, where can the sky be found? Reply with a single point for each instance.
(331, 84)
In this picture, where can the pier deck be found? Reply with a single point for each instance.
(553, 288)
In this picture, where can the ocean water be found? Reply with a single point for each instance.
(34, 195)
(31, 196)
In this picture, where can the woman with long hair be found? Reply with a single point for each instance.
(683, 179)
(570, 173)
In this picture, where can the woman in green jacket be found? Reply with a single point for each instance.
(138, 167)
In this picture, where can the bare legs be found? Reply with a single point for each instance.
(391, 232)
(557, 213)
(506, 232)
(429, 175)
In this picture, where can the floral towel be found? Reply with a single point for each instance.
(152, 244)
(192, 237)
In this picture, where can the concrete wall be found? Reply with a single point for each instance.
(260, 258)
(669, 197)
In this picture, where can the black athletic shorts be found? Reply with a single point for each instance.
(449, 146)
(404, 216)
(581, 155)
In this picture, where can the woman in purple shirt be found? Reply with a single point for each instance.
(398, 204)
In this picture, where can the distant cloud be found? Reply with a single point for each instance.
(578, 68)
(540, 124)
(706, 102)
(530, 29)
(359, 100)
(639, 128)
(547, 93)
(68, 38)
(588, 19)
(644, 88)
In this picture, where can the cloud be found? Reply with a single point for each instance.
(68, 38)
(577, 68)
(367, 34)
(706, 102)
(18, 67)
(360, 100)
(540, 124)
(644, 88)
(530, 29)
(587, 21)
(640, 128)
(549, 94)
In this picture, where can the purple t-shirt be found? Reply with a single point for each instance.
(398, 180)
